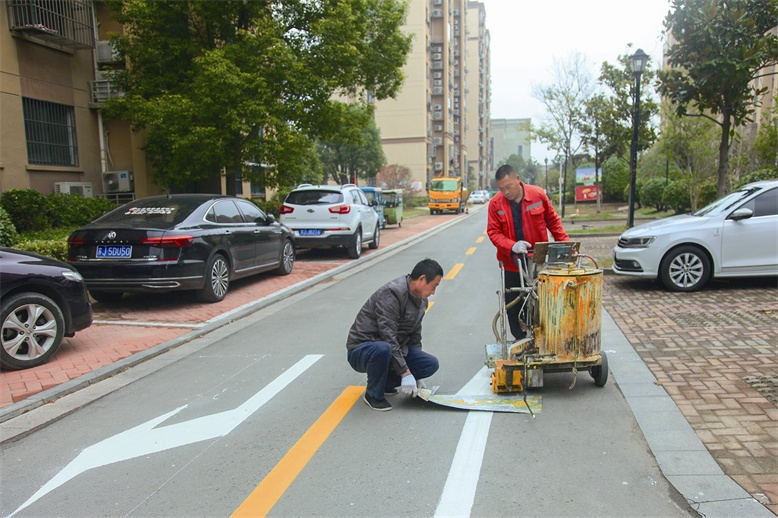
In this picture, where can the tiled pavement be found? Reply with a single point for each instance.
(142, 321)
(713, 351)
(704, 348)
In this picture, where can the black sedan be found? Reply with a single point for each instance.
(42, 300)
(179, 242)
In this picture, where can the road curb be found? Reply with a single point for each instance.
(107, 371)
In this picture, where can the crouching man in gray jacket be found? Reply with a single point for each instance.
(385, 339)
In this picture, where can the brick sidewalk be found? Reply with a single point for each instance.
(716, 354)
(105, 343)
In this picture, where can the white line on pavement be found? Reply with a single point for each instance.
(145, 324)
(459, 491)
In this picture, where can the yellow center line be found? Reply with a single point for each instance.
(273, 486)
(454, 271)
(470, 251)
(480, 239)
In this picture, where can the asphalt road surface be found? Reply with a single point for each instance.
(265, 417)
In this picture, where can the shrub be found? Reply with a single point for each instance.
(8, 234)
(269, 206)
(56, 248)
(768, 173)
(651, 193)
(708, 193)
(68, 210)
(676, 196)
(28, 209)
(638, 189)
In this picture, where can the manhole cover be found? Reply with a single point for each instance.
(762, 317)
(765, 385)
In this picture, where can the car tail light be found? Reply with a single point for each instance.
(286, 209)
(341, 209)
(75, 241)
(168, 241)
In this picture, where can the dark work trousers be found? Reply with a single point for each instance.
(375, 358)
(513, 280)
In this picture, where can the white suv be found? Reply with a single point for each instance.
(330, 216)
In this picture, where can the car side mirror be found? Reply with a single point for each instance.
(269, 220)
(373, 203)
(742, 213)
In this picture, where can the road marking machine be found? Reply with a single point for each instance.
(560, 298)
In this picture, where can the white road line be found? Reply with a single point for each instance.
(459, 491)
(145, 324)
(147, 438)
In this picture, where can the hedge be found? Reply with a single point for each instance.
(56, 248)
(8, 234)
(30, 210)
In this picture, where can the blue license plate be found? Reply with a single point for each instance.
(310, 231)
(114, 251)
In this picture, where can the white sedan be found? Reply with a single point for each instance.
(478, 197)
(735, 236)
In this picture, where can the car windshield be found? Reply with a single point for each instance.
(370, 195)
(725, 203)
(152, 212)
(314, 197)
(444, 185)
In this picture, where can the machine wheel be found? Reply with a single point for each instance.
(106, 297)
(355, 248)
(600, 372)
(32, 330)
(217, 280)
(376, 238)
(686, 268)
(287, 259)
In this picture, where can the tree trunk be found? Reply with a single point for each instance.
(564, 186)
(724, 154)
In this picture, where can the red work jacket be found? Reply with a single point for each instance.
(537, 217)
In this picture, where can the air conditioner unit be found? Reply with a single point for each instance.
(437, 56)
(105, 52)
(438, 127)
(437, 116)
(78, 188)
(438, 166)
(437, 13)
(437, 82)
(438, 141)
(437, 107)
(437, 65)
(437, 90)
(117, 181)
(437, 75)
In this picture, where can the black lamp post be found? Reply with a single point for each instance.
(638, 62)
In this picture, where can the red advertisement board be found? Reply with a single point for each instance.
(587, 192)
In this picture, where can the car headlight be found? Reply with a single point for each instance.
(72, 276)
(636, 242)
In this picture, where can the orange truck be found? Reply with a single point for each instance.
(446, 193)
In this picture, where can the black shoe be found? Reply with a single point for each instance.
(390, 391)
(381, 405)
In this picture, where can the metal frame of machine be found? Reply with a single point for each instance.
(561, 312)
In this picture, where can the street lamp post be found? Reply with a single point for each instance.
(638, 63)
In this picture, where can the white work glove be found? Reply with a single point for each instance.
(408, 385)
(520, 247)
(420, 384)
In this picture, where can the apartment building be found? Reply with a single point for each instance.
(425, 127)
(510, 137)
(477, 96)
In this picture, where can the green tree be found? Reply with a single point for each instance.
(359, 155)
(218, 85)
(720, 48)
(615, 179)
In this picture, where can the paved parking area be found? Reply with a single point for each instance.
(142, 321)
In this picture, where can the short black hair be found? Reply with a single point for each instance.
(503, 171)
(429, 268)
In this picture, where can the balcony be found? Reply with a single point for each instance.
(63, 22)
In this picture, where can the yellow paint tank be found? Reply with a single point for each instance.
(569, 302)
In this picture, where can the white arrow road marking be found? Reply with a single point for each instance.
(459, 491)
(145, 438)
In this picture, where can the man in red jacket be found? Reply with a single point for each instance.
(520, 215)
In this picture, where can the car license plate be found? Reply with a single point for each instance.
(310, 231)
(114, 251)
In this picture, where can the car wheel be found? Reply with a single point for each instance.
(217, 279)
(376, 238)
(32, 330)
(287, 258)
(106, 297)
(686, 268)
(355, 248)
(600, 372)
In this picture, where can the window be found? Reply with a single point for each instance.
(766, 204)
(227, 212)
(251, 213)
(314, 197)
(50, 130)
